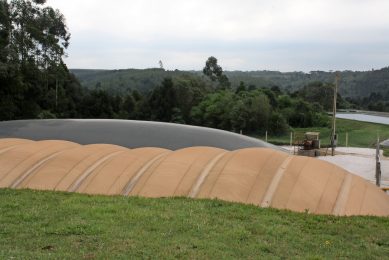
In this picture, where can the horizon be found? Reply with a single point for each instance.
(264, 70)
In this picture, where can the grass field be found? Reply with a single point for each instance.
(360, 134)
(43, 225)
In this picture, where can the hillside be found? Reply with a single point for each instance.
(57, 225)
(353, 84)
(122, 80)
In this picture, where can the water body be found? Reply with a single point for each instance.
(364, 118)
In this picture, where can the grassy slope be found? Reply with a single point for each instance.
(360, 134)
(62, 225)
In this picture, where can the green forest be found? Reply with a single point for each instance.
(36, 83)
(352, 84)
(367, 90)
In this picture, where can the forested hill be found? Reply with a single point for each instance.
(122, 80)
(353, 84)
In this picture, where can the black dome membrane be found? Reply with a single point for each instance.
(127, 133)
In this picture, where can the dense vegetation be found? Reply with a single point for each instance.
(367, 90)
(56, 225)
(120, 81)
(34, 81)
(352, 84)
(190, 99)
(374, 102)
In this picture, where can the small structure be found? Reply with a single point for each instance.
(308, 144)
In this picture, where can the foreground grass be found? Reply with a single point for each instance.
(39, 225)
(360, 134)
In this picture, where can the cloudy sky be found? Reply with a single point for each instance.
(285, 35)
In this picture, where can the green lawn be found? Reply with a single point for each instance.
(43, 225)
(360, 134)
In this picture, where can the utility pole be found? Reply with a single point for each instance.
(333, 135)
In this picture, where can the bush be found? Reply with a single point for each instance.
(278, 125)
(46, 114)
(321, 120)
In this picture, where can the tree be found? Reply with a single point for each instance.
(129, 106)
(33, 39)
(162, 101)
(278, 124)
(190, 91)
(215, 73)
(318, 92)
(241, 87)
(251, 112)
(215, 110)
(39, 34)
(99, 103)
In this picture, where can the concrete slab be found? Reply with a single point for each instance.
(359, 161)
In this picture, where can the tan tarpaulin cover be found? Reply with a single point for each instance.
(259, 176)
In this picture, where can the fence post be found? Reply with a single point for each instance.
(346, 139)
(378, 164)
(291, 138)
(241, 131)
(266, 135)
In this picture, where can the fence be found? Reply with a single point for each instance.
(344, 139)
(370, 140)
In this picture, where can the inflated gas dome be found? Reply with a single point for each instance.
(127, 133)
(259, 176)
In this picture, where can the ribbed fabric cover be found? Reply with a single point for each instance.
(259, 176)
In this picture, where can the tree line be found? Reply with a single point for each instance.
(189, 99)
(374, 102)
(352, 84)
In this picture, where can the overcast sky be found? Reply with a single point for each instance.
(285, 35)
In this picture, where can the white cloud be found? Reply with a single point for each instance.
(185, 32)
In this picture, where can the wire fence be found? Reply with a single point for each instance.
(344, 139)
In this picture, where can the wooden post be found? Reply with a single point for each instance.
(334, 116)
(266, 136)
(378, 164)
(56, 92)
(291, 138)
(346, 139)
(241, 131)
